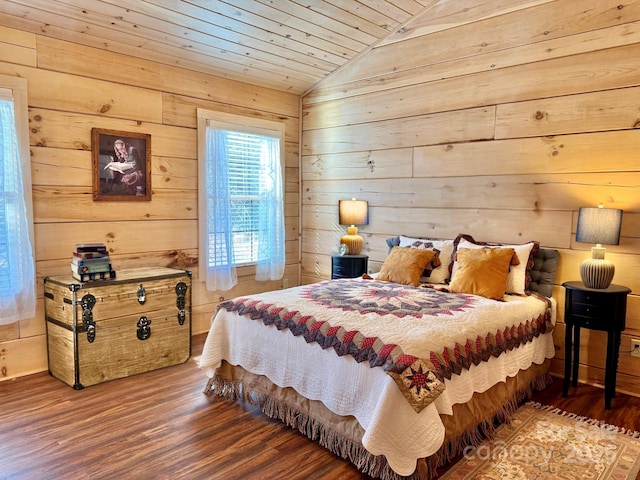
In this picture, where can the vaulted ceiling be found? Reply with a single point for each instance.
(288, 45)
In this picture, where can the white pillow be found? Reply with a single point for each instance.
(516, 279)
(441, 273)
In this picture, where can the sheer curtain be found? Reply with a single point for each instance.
(271, 254)
(221, 271)
(17, 272)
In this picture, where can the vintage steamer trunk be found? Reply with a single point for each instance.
(108, 329)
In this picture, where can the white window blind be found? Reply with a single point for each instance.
(246, 178)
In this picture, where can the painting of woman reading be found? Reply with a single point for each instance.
(121, 165)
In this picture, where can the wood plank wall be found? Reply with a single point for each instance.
(499, 124)
(72, 89)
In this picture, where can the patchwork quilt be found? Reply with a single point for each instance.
(419, 336)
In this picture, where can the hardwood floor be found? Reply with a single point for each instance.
(159, 425)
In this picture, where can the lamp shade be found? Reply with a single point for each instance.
(353, 212)
(600, 226)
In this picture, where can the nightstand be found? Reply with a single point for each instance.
(595, 309)
(348, 266)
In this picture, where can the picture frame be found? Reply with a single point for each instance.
(121, 165)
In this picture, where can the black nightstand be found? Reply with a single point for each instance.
(596, 309)
(348, 266)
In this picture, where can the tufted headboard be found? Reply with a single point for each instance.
(545, 264)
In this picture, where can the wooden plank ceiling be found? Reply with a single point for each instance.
(289, 45)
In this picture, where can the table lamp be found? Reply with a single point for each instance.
(353, 212)
(600, 226)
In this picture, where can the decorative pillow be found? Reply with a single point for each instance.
(425, 245)
(517, 283)
(456, 241)
(482, 271)
(392, 242)
(440, 271)
(405, 265)
(545, 265)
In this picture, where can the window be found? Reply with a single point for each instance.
(241, 204)
(17, 271)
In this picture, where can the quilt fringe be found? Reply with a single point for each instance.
(374, 465)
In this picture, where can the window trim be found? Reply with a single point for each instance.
(229, 121)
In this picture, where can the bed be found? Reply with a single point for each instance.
(394, 373)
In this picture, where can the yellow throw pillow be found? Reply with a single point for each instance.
(517, 282)
(405, 265)
(482, 271)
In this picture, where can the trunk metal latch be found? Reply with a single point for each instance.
(181, 291)
(142, 295)
(88, 302)
(144, 328)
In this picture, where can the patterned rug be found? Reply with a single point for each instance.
(545, 443)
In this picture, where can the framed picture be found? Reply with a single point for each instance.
(121, 165)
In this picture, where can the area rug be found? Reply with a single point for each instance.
(545, 443)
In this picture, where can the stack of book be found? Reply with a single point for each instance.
(91, 262)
